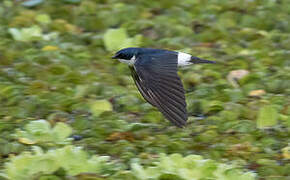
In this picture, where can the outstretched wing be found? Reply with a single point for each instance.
(157, 80)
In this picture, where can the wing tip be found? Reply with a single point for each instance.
(180, 124)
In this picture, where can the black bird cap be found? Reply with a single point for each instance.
(126, 53)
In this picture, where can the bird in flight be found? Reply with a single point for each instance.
(155, 74)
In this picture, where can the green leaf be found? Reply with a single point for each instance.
(38, 127)
(40, 131)
(267, 117)
(26, 34)
(33, 33)
(140, 172)
(99, 106)
(16, 34)
(116, 39)
(72, 159)
(43, 19)
(61, 131)
(190, 167)
(26, 165)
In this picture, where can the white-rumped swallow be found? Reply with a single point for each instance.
(155, 74)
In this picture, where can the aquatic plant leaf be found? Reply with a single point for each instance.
(267, 117)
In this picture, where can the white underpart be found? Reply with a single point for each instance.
(183, 59)
(130, 62)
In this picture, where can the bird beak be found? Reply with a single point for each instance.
(196, 60)
(114, 57)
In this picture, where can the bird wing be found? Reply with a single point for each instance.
(157, 80)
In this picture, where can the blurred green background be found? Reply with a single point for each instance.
(60, 90)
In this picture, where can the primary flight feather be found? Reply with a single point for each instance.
(155, 74)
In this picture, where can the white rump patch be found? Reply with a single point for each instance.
(183, 59)
(129, 62)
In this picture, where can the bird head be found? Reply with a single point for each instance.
(125, 54)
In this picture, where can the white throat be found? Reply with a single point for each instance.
(183, 59)
(129, 62)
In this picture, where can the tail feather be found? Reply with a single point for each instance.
(196, 60)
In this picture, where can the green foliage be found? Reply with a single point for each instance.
(55, 65)
(116, 39)
(40, 131)
(72, 159)
(43, 19)
(267, 117)
(187, 168)
(26, 34)
(99, 106)
(33, 33)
